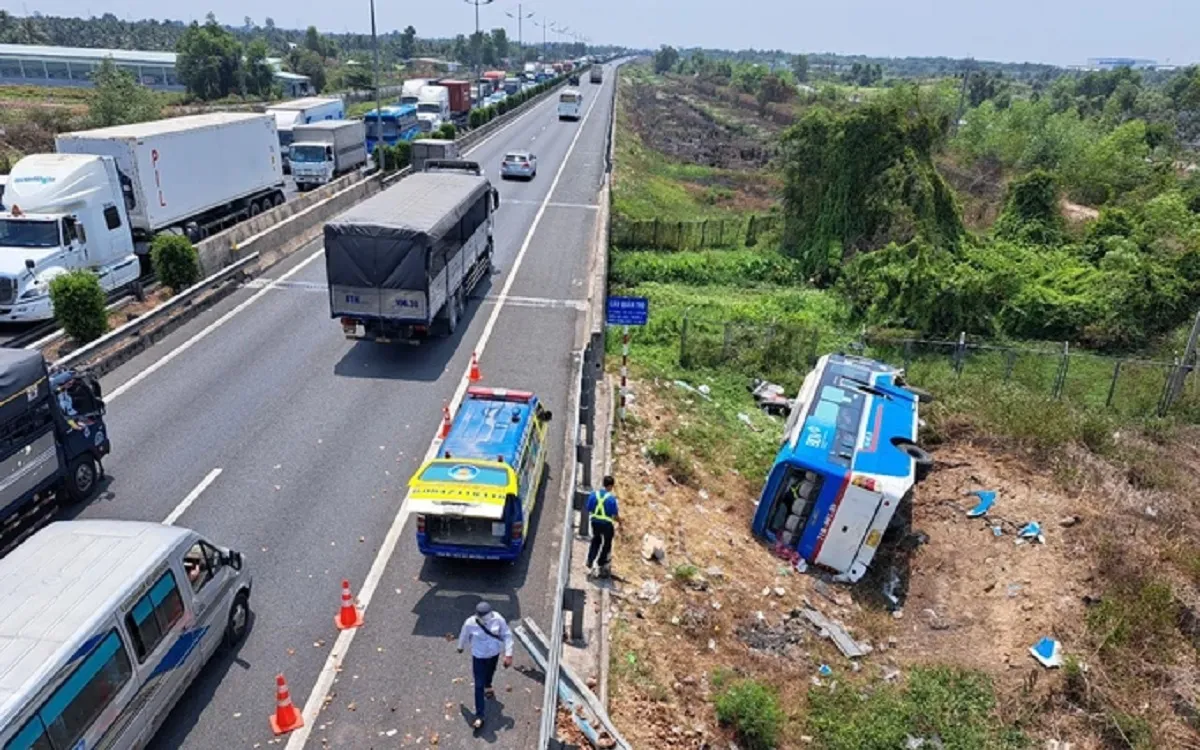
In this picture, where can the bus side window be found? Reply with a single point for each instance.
(70, 711)
(153, 616)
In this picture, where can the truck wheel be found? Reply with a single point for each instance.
(279, 199)
(255, 209)
(81, 479)
(453, 308)
(239, 620)
(922, 459)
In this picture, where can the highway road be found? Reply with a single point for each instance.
(259, 425)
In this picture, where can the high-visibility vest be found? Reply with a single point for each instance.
(600, 513)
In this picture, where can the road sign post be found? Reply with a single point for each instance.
(626, 312)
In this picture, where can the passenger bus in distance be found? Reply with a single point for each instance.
(848, 460)
(570, 105)
(476, 498)
(391, 125)
(104, 624)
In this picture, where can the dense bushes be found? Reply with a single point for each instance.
(752, 709)
(175, 261)
(79, 305)
(392, 158)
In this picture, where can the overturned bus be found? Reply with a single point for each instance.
(401, 264)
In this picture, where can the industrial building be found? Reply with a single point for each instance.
(37, 65)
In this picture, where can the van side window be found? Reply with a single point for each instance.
(31, 737)
(112, 217)
(153, 615)
(200, 562)
(71, 709)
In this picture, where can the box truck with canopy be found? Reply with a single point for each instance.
(407, 258)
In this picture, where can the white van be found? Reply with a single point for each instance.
(570, 105)
(104, 624)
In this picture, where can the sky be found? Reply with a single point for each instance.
(1063, 32)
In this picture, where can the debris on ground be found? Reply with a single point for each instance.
(837, 633)
(987, 498)
(771, 398)
(653, 548)
(1048, 652)
(1031, 531)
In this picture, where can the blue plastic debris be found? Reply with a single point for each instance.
(825, 670)
(997, 531)
(1048, 652)
(987, 498)
(1032, 531)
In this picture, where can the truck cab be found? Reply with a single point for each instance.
(433, 107)
(64, 212)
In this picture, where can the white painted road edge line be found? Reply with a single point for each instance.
(171, 355)
(316, 698)
(191, 497)
(167, 358)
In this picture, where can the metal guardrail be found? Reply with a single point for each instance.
(584, 399)
(135, 327)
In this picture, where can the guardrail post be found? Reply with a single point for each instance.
(579, 502)
(574, 600)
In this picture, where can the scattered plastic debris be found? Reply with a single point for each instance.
(745, 419)
(825, 670)
(702, 391)
(1031, 531)
(987, 498)
(770, 397)
(1048, 652)
(997, 531)
(834, 631)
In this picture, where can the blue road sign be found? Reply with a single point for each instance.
(627, 311)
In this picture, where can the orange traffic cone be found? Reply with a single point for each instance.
(445, 431)
(474, 375)
(286, 716)
(349, 616)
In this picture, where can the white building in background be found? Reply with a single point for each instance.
(37, 65)
(1112, 63)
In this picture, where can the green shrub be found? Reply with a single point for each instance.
(475, 119)
(175, 261)
(752, 709)
(79, 305)
(448, 131)
(491, 112)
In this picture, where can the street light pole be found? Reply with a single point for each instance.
(378, 106)
(477, 3)
(521, 16)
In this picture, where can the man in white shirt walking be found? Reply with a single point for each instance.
(487, 633)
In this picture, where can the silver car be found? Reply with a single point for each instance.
(518, 164)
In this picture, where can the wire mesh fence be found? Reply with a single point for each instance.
(784, 353)
(655, 234)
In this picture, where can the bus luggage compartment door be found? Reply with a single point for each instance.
(848, 527)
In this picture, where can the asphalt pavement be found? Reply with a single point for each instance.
(263, 428)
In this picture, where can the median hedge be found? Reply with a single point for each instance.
(80, 305)
(175, 261)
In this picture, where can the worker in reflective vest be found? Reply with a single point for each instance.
(602, 510)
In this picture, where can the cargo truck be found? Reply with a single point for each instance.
(401, 264)
(102, 198)
(433, 107)
(431, 149)
(460, 99)
(302, 112)
(326, 150)
(410, 92)
(597, 74)
(55, 436)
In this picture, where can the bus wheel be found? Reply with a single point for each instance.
(239, 619)
(923, 396)
(921, 457)
(81, 478)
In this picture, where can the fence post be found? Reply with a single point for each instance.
(683, 331)
(721, 233)
(1164, 399)
(704, 234)
(907, 353)
(680, 240)
(1010, 360)
(1112, 387)
(1061, 380)
(727, 342)
(656, 247)
(959, 352)
(1185, 366)
(751, 239)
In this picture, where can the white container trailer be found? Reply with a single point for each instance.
(198, 173)
(327, 149)
(303, 112)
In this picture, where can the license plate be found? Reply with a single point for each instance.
(498, 529)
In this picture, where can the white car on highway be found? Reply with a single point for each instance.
(519, 164)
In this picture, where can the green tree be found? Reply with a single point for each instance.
(117, 99)
(80, 305)
(210, 60)
(500, 43)
(772, 88)
(308, 63)
(800, 67)
(260, 78)
(408, 42)
(1031, 211)
(175, 261)
(665, 59)
(358, 77)
(460, 49)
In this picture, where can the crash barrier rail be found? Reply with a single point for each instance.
(783, 352)
(251, 247)
(654, 234)
(588, 370)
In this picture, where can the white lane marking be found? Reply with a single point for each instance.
(171, 355)
(191, 497)
(167, 358)
(538, 302)
(583, 206)
(312, 706)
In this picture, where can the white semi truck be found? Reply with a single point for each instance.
(99, 201)
(325, 150)
(302, 112)
(410, 91)
(433, 107)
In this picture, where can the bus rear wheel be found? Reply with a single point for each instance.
(922, 458)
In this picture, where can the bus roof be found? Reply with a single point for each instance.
(851, 389)
(58, 586)
(492, 424)
(395, 110)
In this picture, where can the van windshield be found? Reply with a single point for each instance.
(28, 233)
